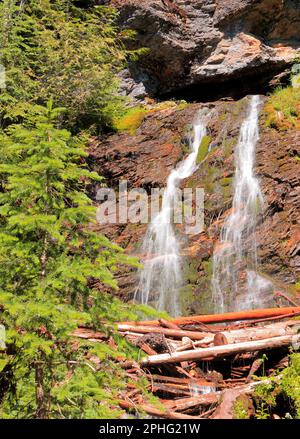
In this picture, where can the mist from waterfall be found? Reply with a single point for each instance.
(235, 255)
(161, 277)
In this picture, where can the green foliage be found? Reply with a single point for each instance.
(295, 74)
(131, 120)
(203, 149)
(265, 396)
(53, 48)
(296, 81)
(225, 181)
(61, 63)
(240, 409)
(287, 385)
(49, 257)
(290, 383)
(283, 108)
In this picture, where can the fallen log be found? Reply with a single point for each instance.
(87, 333)
(193, 402)
(221, 351)
(256, 333)
(226, 408)
(227, 317)
(207, 413)
(146, 348)
(285, 316)
(153, 411)
(254, 368)
(176, 380)
(169, 389)
(287, 298)
(168, 324)
(176, 333)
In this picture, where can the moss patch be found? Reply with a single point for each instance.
(225, 181)
(131, 120)
(203, 149)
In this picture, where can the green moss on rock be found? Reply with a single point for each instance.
(203, 149)
(131, 120)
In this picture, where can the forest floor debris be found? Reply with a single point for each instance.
(208, 371)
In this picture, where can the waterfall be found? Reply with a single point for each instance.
(235, 256)
(161, 279)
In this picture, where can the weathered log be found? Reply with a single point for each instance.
(129, 364)
(176, 333)
(287, 298)
(227, 317)
(193, 402)
(256, 333)
(87, 333)
(273, 319)
(153, 411)
(171, 390)
(207, 413)
(176, 380)
(226, 408)
(221, 351)
(146, 348)
(254, 368)
(168, 324)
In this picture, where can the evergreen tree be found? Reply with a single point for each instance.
(49, 255)
(55, 49)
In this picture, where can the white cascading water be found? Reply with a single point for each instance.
(235, 256)
(160, 279)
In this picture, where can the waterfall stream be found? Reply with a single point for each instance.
(161, 279)
(235, 256)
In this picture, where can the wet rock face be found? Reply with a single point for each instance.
(211, 43)
(279, 233)
(146, 158)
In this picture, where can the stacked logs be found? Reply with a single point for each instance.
(198, 366)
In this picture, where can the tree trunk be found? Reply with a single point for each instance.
(221, 351)
(41, 410)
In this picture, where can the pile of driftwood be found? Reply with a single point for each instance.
(200, 366)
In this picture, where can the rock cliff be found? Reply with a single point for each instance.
(202, 51)
(145, 159)
(201, 48)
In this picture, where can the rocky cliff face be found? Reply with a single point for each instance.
(146, 157)
(202, 48)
